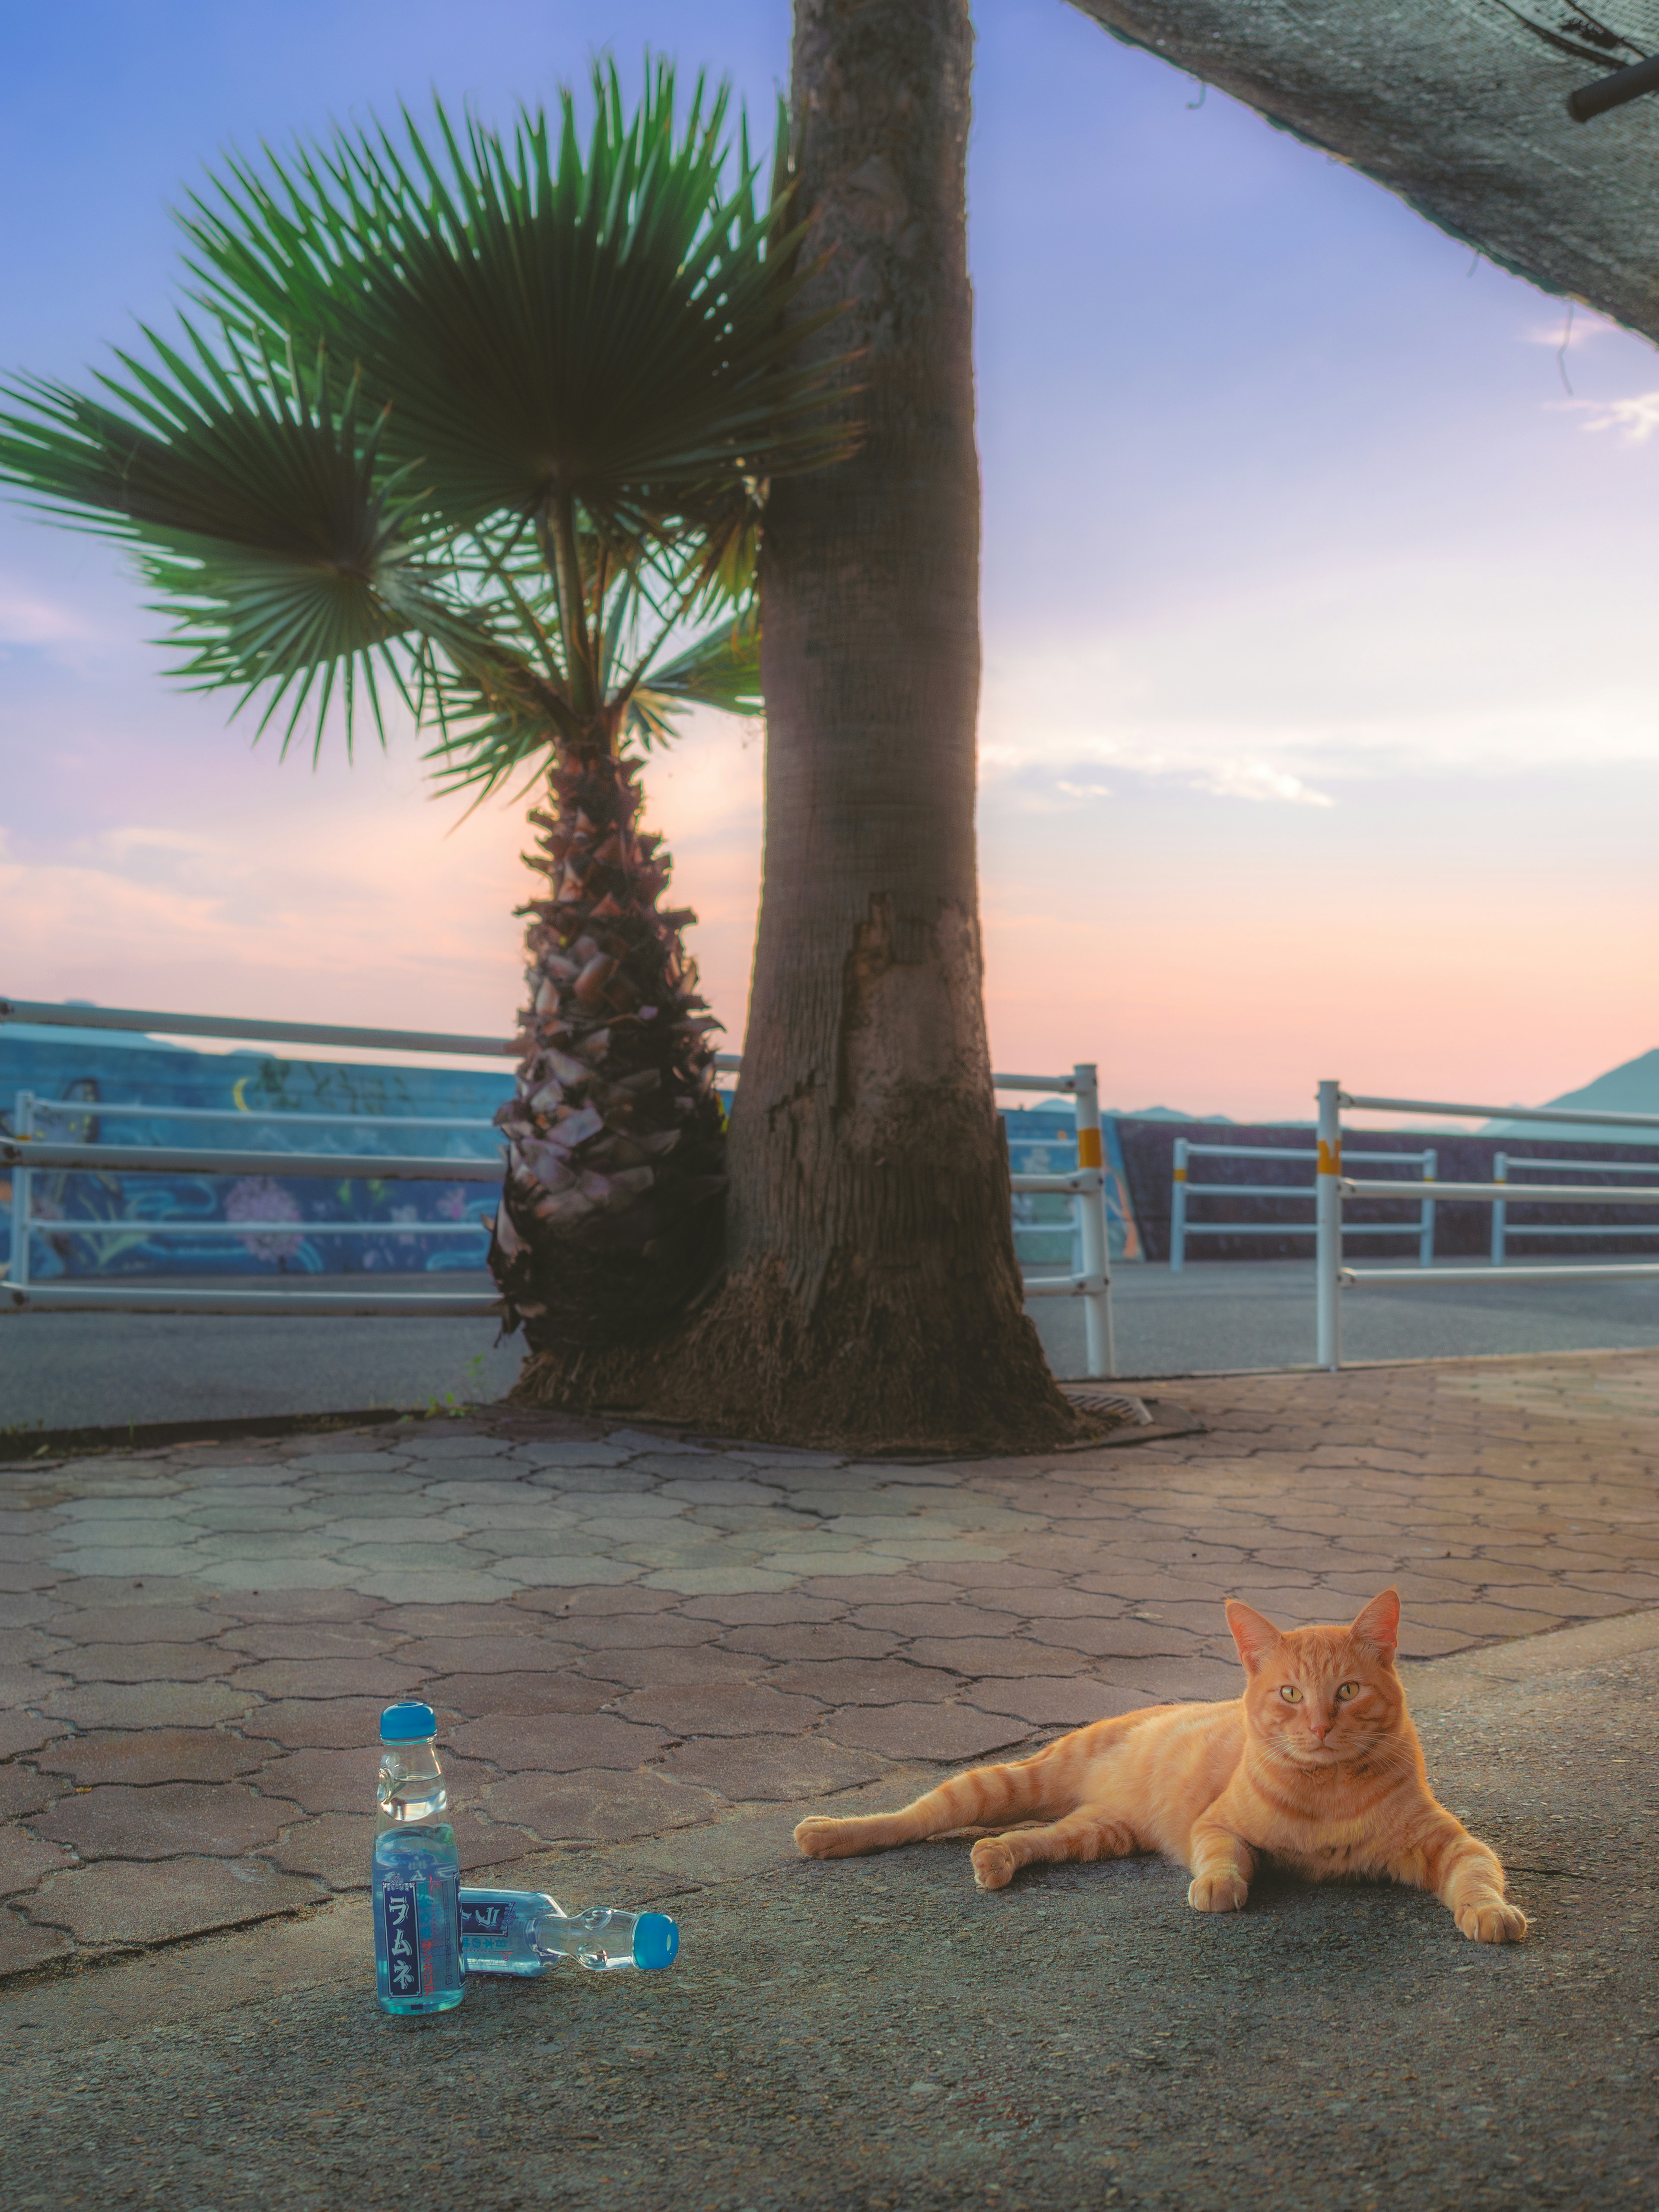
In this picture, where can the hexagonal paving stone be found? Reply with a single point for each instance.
(810, 1640)
(629, 1631)
(22, 1792)
(1163, 1682)
(479, 1696)
(349, 1462)
(23, 1575)
(26, 1608)
(863, 1589)
(122, 1904)
(942, 1619)
(754, 1710)
(29, 1686)
(957, 1732)
(306, 1639)
(147, 1705)
(776, 1767)
(124, 1625)
(1060, 1604)
(327, 1678)
(609, 1602)
(23, 1947)
(479, 1654)
(500, 1617)
(322, 1603)
(598, 1808)
(1050, 1701)
(1007, 1654)
(146, 1662)
(556, 1568)
(23, 1732)
(25, 1858)
(141, 1756)
(683, 1666)
(1115, 1639)
(984, 1577)
(555, 1743)
(335, 1846)
(119, 1822)
(460, 1585)
(344, 1781)
(764, 1609)
(866, 1681)
(318, 1723)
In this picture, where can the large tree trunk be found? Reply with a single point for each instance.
(872, 1297)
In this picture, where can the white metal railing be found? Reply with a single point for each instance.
(1330, 1275)
(1506, 1165)
(1181, 1227)
(26, 1153)
(1085, 1185)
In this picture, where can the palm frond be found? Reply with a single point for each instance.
(287, 554)
(606, 324)
(721, 669)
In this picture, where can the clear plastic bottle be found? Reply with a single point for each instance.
(417, 1874)
(525, 1931)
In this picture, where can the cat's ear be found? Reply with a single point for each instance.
(1378, 1623)
(1253, 1633)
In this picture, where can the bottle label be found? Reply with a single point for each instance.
(400, 1928)
(483, 1919)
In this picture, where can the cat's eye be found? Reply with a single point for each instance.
(1291, 1694)
(1348, 1690)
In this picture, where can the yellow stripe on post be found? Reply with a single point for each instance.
(1330, 1158)
(1088, 1148)
(1181, 1174)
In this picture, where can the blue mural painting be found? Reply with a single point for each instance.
(138, 1224)
(1043, 1141)
(65, 1082)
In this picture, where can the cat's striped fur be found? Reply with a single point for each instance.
(1316, 1767)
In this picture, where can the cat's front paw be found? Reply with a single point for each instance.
(992, 1863)
(819, 1838)
(1494, 1920)
(1219, 1893)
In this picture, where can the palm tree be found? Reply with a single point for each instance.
(485, 423)
(872, 1295)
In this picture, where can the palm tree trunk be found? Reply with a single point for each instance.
(872, 1296)
(610, 1220)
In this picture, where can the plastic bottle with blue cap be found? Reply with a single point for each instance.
(416, 1870)
(525, 1931)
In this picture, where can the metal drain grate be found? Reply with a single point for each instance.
(1116, 1407)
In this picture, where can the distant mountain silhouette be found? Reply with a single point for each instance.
(1630, 1088)
(1162, 1114)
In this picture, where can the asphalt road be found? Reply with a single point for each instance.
(77, 1370)
(875, 2036)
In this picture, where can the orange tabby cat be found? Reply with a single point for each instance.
(1316, 1767)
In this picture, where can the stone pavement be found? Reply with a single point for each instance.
(629, 1635)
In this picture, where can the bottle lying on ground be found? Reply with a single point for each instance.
(416, 1875)
(525, 1931)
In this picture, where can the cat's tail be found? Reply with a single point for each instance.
(985, 1797)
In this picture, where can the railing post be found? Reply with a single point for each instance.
(1327, 1229)
(1100, 1354)
(18, 1273)
(1425, 1213)
(1178, 1210)
(1500, 1172)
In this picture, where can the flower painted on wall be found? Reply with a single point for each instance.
(261, 1198)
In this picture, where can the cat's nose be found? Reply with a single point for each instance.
(1317, 1730)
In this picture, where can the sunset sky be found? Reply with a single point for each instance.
(1319, 722)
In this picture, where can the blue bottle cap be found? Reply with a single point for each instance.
(408, 1721)
(656, 1940)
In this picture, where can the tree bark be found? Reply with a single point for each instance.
(873, 1295)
